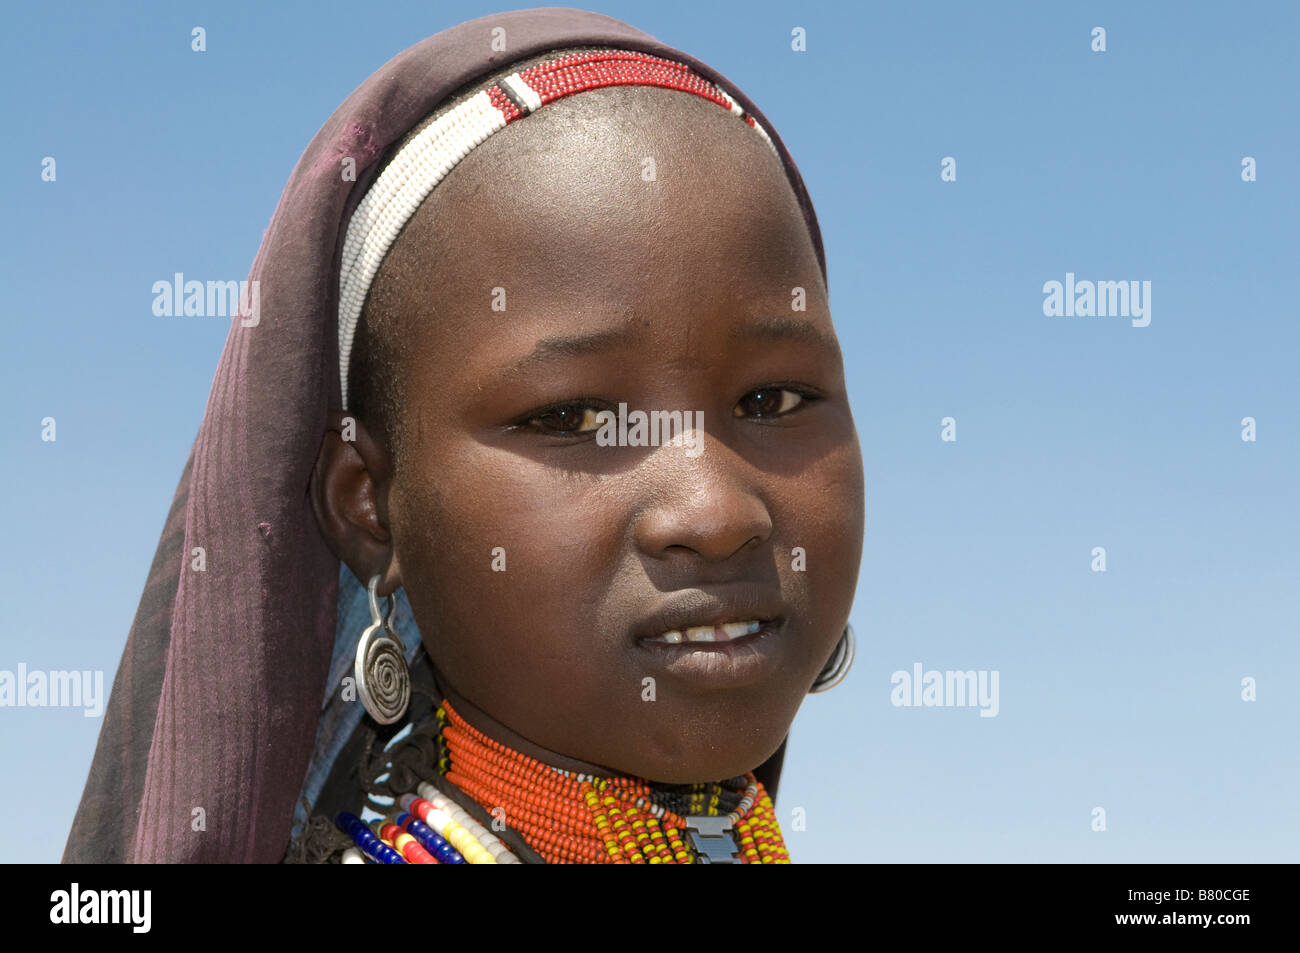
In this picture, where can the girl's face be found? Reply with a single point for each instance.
(574, 262)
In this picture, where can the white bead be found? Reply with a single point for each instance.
(437, 822)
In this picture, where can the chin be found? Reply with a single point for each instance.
(693, 761)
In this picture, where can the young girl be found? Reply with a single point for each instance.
(535, 464)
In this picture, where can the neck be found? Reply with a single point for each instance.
(494, 729)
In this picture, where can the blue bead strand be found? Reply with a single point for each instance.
(364, 838)
(441, 850)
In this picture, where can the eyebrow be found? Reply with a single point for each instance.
(779, 329)
(761, 327)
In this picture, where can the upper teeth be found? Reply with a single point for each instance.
(709, 633)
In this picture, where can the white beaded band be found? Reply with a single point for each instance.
(393, 199)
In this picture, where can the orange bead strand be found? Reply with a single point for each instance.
(580, 819)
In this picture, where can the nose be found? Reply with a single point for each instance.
(709, 506)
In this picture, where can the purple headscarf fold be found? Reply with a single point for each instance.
(214, 709)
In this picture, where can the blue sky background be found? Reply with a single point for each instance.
(1118, 689)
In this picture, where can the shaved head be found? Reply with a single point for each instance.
(600, 140)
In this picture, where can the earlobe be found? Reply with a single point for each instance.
(392, 580)
(345, 490)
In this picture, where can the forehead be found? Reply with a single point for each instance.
(611, 203)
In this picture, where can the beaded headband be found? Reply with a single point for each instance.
(427, 159)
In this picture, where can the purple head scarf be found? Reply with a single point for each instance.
(215, 706)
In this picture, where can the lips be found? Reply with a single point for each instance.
(727, 632)
(700, 616)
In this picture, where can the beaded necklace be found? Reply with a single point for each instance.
(578, 818)
(563, 817)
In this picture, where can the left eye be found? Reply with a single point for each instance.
(568, 419)
(768, 402)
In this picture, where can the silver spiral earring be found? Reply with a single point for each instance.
(837, 667)
(383, 680)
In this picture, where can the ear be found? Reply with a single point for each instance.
(349, 495)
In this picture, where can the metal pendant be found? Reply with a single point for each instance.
(711, 837)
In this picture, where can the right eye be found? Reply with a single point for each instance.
(572, 418)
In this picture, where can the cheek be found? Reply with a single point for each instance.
(819, 516)
(503, 560)
(818, 552)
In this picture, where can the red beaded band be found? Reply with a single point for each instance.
(582, 71)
